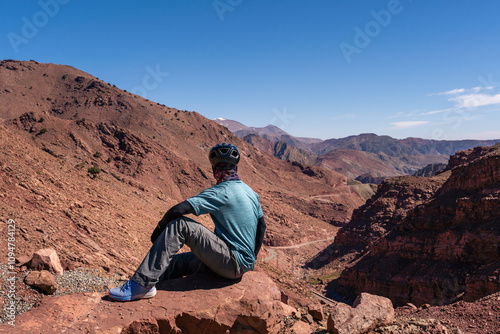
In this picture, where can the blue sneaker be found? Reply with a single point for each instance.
(131, 291)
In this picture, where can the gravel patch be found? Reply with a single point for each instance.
(83, 280)
(27, 297)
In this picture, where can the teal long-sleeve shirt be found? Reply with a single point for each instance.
(235, 210)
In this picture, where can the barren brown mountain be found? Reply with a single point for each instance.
(361, 164)
(61, 126)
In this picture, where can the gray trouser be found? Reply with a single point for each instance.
(208, 253)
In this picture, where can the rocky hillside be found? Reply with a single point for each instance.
(394, 198)
(89, 169)
(361, 165)
(445, 249)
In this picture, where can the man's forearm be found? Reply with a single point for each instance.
(259, 238)
(173, 213)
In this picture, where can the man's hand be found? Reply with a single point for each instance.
(156, 233)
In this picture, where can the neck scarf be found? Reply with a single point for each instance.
(222, 175)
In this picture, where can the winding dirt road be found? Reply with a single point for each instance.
(271, 249)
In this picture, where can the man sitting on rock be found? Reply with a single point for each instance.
(229, 251)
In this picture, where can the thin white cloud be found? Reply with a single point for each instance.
(475, 100)
(457, 91)
(435, 112)
(451, 92)
(408, 124)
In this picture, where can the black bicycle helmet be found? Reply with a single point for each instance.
(224, 153)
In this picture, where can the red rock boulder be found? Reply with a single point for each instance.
(194, 304)
(368, 312)
(42, 280)
(46, 259)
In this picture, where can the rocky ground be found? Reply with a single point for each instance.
(479, 317)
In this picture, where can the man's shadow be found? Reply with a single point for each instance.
(201, 281)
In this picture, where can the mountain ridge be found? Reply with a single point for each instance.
(381, 155)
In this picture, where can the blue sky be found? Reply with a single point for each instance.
(325, 69)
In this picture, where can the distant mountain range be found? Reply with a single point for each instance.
(270, 132)
(367, 157)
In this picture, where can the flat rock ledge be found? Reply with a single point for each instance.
(195, 304)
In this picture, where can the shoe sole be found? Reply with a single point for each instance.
(150, 294)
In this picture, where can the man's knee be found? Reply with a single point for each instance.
(186, 227)
(183, 221)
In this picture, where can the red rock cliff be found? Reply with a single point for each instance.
(445, 249)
